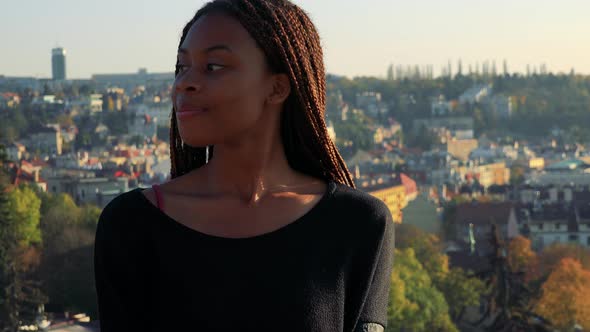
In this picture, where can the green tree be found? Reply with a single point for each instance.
(415, 304)
(460, 290)
(22, 216)
(517, 175)
(20, 294)
(65, 226)
(427, 248)
(66, 268)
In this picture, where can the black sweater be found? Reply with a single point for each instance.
(327, 271)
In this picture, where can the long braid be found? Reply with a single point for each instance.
(292, 46)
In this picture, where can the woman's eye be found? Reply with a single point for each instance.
(213, 67)
(181, 68)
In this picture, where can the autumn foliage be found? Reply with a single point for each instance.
(551, 257)
(565, 298)
(521, 258)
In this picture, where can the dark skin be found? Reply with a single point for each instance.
(234, 102)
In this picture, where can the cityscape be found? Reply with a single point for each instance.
(485, 171)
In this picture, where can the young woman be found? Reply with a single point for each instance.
(260, 227)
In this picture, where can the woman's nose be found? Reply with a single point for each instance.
(187, 82)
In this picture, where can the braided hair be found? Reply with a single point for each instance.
(291, 45)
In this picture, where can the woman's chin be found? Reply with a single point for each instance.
(196, 143)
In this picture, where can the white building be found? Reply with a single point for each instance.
(46, 139)
(88, 190)
(476, 94)
(558, 225)
(15, 151)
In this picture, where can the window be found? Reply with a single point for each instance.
(540, 225)
(573, 238)
(557, 226)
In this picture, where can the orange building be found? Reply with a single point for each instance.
(395, 198)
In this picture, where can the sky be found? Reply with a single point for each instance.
(359, 38)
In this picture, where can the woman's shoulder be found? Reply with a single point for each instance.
(365, 217)
(122, 211)
(124, 203)
(357, 203)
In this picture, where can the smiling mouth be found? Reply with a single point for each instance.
(188, 112)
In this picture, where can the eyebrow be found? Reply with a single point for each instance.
(208, 49)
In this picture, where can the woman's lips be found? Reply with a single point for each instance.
(190, 112)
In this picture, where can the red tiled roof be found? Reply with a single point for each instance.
(119, 174)
(9, 95)
(409, 184)
(23, 176)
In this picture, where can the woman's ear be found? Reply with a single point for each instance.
(281, 88)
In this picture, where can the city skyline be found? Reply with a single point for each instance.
(427, 33)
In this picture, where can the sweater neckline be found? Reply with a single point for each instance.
(167, 219)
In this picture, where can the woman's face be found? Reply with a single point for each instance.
(223, 81)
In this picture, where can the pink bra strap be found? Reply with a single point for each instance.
(159, 200)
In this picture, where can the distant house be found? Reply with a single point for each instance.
(27, 172)
(502, 106)
(47, 139)
(409, 185)
(370, 102)
(440, 106)
(482, 215)
(557, 223)
(15, 151)
(562, 173)
(475, 94)
(9, 99)
(461, 148)
(461, 127)
(102, 131)
(393, 195)
(395, 191)
(98, 191)
(144, 125)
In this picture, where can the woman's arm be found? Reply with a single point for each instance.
(373, 316)
(120, 285)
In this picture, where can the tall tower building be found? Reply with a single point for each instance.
(58, 63)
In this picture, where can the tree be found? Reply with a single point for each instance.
(427, 248)
(415, 305)
(117, 122)
(64, 120)
(460, 290)
(565, 296)
(3, 156)
(551, 257)
(20, 294)
(521, 258)
(424, 138)
(65, 226)
(517, 175)
(22, 216)
(66, 268)
(390, 73)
